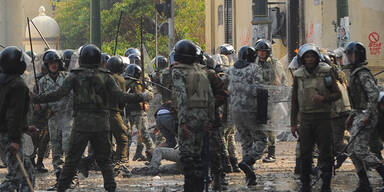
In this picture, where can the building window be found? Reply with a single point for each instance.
(228, 23)
(220, 15)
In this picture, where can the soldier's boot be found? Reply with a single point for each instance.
(198, 183)
(247, 167)
(40, 166)
(84, 166)
(54, 187)
(298, 166)
(326, 186)
(364, 185)
(234, 163)
(227, 167)
(139, 153)
(271, 155)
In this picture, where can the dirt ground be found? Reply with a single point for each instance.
(276, 176)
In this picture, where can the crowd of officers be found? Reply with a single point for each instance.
(203, 99)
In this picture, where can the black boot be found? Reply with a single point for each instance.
(305, 187)
(364, 185)
(326, 186)
(40, 166)
(271, 155)
(234, 163)
(139, 153)
(246, 166)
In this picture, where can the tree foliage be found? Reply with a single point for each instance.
(73, 17)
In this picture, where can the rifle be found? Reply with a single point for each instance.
(379, 73)
(32, 55)
(149, 82)
(117, 33)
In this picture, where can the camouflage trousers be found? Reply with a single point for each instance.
(102, 149)
(229, 140)
(60, 127)
(338, 129)
(120, 133)
(14, 180)
(139, 120)
(192, 148)
(359, 150)
(253, 139)
(165, 153)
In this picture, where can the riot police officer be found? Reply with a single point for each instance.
(195, 110)
(14, 103)
(314, 88)
(67, 55)
(94, 89)
(363, 94)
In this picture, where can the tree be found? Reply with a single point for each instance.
(73, 19)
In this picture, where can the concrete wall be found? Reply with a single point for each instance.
(367, 26)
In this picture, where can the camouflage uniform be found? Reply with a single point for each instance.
(137, 117)
(195, 108)
(14, 105)
(118, 128)
(243, 85)
(93, 90)
(363, 94)
(60, 120)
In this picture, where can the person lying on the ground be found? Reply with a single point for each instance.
(158, 154)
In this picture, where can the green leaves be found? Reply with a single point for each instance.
(73, 19)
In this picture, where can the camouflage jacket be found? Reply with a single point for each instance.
(166, 81)
(363, 91)
(93, 89)
(243, 85)
(136, 87)
(47, 85)
(182, 90)
(269, 71)
(14, 105)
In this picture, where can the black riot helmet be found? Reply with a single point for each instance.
(162, 63)
(264, 45)
(115, 64)
(247, 53)
(133, 70)
(187, 52)
(90, 56)
(134, 59)
(358, 49)
(51, 55)
(12, 60)
(226, 49)
(132, 50)
(67, 55)
(305, 49)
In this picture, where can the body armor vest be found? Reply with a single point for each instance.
(90, 89)
(197, 85)
(134, 86)
(358, 97)
(310, 85)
